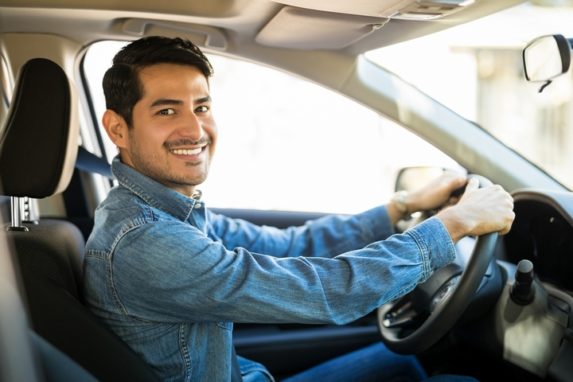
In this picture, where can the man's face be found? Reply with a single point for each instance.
(173, 133)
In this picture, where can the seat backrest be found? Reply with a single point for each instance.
(37, 153)
(39, 142)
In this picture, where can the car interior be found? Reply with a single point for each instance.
(489, 315)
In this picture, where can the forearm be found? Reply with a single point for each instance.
(325, 237)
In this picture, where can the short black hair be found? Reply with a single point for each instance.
(121, 85)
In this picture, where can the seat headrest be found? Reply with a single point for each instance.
(39, 141)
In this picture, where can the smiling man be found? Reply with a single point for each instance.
(170, 277)
(174, 134)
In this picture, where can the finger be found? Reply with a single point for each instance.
(453, 200)
(505, 230)
(456, 182)
(510, 217)
(473, 184)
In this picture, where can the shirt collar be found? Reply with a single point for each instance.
(153, 193)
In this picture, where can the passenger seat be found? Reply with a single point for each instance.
(38, 147)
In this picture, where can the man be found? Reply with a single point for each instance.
(170, 277)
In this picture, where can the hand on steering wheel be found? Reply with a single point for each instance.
(447, 294)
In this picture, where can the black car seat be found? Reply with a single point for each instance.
(38, 147)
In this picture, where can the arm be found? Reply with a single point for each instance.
(336, 234)
(324, 237)
(176, 272)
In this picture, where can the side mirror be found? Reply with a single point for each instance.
(413, 178)
(545, 58)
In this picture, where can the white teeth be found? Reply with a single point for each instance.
(187, 151)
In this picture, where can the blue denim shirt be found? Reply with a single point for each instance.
(170, 277)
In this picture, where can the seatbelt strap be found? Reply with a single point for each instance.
(90, 162)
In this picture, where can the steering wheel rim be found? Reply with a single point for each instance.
(447, 313)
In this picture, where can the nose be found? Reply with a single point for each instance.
(192, 127)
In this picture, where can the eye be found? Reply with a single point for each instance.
(202, 109)
(168, 111)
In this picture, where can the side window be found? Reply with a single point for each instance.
(288, 144)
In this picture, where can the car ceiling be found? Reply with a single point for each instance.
(319, 41)
(223, 25)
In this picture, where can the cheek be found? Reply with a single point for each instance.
(149, 131)
(211, 130)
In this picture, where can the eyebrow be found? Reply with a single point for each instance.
(203, 99)
(169, 101)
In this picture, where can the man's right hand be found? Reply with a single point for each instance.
(479, 211)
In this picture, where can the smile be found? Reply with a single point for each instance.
(196, 151)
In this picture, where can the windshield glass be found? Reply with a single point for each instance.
(476, 70)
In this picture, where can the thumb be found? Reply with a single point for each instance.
(473, 184)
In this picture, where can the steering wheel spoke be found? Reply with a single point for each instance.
(400, 315)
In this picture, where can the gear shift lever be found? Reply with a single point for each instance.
(529, 327)
(522, 292)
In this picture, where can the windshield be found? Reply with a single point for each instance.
(476, 70)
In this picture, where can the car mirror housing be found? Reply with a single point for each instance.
(546, 57)
(412, 178)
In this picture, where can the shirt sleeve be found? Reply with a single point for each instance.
(324, 237)
(174, 272)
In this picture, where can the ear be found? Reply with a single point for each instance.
(116, 128)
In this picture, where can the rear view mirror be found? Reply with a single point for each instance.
(545, 58)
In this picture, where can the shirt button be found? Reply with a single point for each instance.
(198, 205)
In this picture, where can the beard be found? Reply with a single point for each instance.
(164, 168)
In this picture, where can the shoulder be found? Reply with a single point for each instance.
(120, 213)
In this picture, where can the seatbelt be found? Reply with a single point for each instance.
(90, 162)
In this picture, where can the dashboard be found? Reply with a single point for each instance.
(543, 233)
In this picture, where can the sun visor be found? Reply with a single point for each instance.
(307, 29)
(201, 35)
(395, 9)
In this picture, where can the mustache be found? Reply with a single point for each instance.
(187, 142)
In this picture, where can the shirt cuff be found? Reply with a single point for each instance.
(434, 242)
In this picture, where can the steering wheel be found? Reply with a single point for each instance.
(404, 323)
